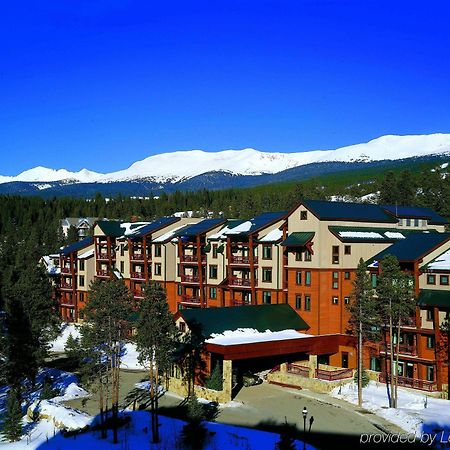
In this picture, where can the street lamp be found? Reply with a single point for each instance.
(304, 414)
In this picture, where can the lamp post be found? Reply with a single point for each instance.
(304, 414)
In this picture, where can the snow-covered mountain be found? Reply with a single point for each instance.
(182, 165)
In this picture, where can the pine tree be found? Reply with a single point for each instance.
(104, 333)
(72, 235)
(215, 381)
(364, 318)
(156, 341)
(12, 425)
(194, 432)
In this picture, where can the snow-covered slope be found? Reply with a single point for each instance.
(172, 167)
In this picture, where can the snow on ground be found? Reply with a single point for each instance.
(249, 335)
(415, 413)
(129, 358)
(57, 346)
(136, 435)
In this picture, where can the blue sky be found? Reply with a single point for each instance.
(103, 84)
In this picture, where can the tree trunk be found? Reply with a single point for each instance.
(448, 361)
(102, 413)
(391, 349)
(152, 400)
(360, 365)
(155, 413)
(387, 375)
(396, 364)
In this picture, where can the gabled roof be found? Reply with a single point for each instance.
(256, 224)
(199, 228)
(440, 263)
(298, 239)
(434, 297)
(353, 212)
(229, 225)
(111, 228)
(413, 247)
(151, 227)
(75, 247)
(260, 317)
(415, 212)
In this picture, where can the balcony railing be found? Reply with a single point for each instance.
(192, 259)
(65, 286)
(190, 299)
(296, 369)
(138, 294)
(404, 349)
(245, 260)
(101, 255)
(137, 257)
(334, 375)
(244, 282)
(137, 275)
(65, 270)
(66, 302)
(241, 303)
(412, 383)
(103, 273)
(189, 278)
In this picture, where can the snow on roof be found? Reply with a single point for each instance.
(166, 236)
(361, 234)
(250, 335)
(223, 232)
(52, 268)
(394, 235)
(242, 228)
(441, 262)
(87, 254)
(132, 227)
(272, 236)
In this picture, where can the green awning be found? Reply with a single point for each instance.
(434, 297)
(298, 239)
(207, 248)
(220, 248)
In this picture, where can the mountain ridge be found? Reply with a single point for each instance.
(179, 166)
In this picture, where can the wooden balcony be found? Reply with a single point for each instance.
(190, 300)
(403, 349)
(137, 275)
(189, 278)
(138, 257)
(412, 383)
(103, 273)
(102, 256)
(66, 302)
(66, 270)
(66, 286)
(192, 259)
(241, 282)
(242, 260)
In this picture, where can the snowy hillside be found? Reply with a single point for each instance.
(175, 166)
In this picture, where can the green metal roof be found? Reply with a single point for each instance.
(434, 297)
(111, 227)
(260, 317)
(413, 247)
(298, 239)
(365, 234)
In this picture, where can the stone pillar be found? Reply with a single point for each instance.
(227, 373)
(312, 365)
(283, 367)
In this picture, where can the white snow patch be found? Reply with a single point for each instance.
(360, 234)
(242, 228)
(59, 343)
(272, 236)
(394, 235)
(87, 254)
(250, 335)
(442, 262)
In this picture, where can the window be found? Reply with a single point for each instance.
(374, 279)
(346, 300)
(308, 255)
(308, 278)
(267, 275)
(81, 264)
(444, 280)
(81, 296)
(182, 327)
(431, 279)
(267, 252)
(408, 222)
(429, 314)
(214, 250)
(335, 300)
(335, 254)
(298, 278)
(122, 250)
(157, 268)
(267, 297)
(213, 293)
(307, 303)
(335, 280)
(122, 267)
(416, 222)
(430, 373)
(213, 272)
(81, 280)
(375, 364)
(180, 289)
(303, 215)
(430, 341)
(298, 255)
(347, 250)
(347, 275)
(158, 250)
(298, 301)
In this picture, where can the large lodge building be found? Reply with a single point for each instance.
(305, 258)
